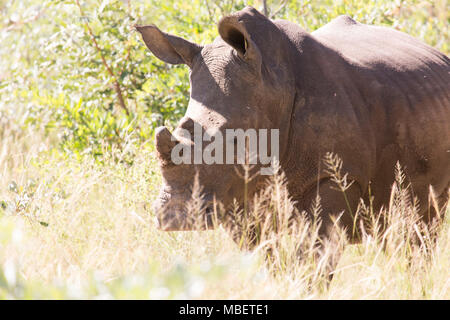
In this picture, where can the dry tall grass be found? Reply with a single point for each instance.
(85, 230)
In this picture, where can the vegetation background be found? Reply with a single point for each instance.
(80, 96)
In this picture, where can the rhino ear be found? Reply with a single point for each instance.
(168, 48)
(235, 33)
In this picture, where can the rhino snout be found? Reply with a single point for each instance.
(172, 215)
(173, 222)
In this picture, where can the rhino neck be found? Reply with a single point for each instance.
(306, 56)
(313, 106)
(302, 55)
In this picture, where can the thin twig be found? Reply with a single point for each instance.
(211, 16)
(117, 86)
(266, 12)
(283, 4)
(128, 43)
(15, 25)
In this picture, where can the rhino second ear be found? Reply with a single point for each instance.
(168, 48)
(235, 33)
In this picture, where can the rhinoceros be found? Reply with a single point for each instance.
(372, 95)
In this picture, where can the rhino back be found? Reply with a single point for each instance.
(376, 96)
(392, 66)
(405, 86)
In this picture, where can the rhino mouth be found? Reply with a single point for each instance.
(180, 220)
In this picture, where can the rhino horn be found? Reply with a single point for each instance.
(164, 143)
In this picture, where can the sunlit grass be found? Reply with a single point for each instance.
(77, 177)
(86, 230)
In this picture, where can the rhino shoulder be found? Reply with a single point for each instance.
(336, 25)
(343, 20)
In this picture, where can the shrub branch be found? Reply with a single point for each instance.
(116, 83)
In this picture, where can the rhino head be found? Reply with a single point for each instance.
(237, 82)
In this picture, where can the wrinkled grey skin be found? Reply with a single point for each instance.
(372, 95)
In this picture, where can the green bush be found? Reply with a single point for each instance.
(79, 72)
